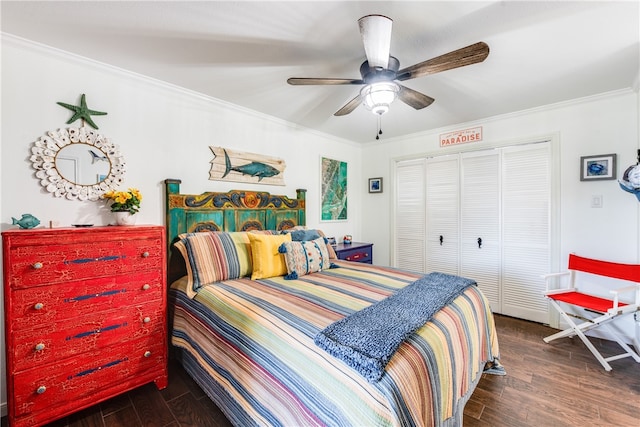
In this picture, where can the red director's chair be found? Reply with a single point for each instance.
(595, 311)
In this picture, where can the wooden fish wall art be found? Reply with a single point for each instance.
(238, 166)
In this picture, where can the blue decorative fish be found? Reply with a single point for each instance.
(27, 221)
(261, 170)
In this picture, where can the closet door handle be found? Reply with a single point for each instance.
(479, 242)
(441, 239)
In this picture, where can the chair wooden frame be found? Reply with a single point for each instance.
(596, 311)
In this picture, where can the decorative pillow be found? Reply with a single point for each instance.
(304, 235)
(214, 256)
(267, 261)
(332, 252)
(268, 232)
(305, 257)
(296, 227)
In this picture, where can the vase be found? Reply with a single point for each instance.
(125, 218)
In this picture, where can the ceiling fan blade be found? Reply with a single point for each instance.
(472, 54)
(376, 37)
(414, 98)
(323, 81)
(349, 106)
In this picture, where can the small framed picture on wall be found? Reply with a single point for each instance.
(593, 168)
(375, 185)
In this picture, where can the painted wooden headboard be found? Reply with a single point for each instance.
(236, 210)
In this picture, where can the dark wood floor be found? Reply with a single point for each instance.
(558, 384)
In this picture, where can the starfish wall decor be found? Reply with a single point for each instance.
(82, 112)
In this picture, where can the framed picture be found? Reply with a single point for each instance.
(593, 168)
(375, 185)
(333, 192)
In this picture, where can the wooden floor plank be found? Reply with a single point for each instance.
(126, 417)
(540, 404)
(177, 385)
(619, 417)
(220, 420)
(190, 413)
(500, 416)
(473, 409)
(115, 404)
(469, 421)
(152, 409)
(90, 417)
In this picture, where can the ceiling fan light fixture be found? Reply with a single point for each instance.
(377, 97)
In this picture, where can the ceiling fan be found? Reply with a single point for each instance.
(381, 72)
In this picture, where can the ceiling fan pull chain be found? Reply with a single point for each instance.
(379, 126)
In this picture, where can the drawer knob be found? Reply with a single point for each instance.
(147, 353)
(38, 306)
(37, 265)
(39, 346)
(146, 320)
(145, 254)
(146, 287)
(41, 389)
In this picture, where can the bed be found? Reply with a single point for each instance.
(250, 343)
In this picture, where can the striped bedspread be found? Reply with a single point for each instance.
(249, 344)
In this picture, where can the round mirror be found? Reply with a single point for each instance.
(83, 164)
(77, 163)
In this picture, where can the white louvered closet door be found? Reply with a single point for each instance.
(410, 209)
(480, 222)
(501, 196)
(443, 214)
(526, 247)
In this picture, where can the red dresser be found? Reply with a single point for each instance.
(85, 317)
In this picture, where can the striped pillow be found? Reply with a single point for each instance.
(214, 256)
(305, 257)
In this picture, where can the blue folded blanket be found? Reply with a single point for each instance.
(366, 339)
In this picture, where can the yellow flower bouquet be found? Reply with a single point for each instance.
(124, 201)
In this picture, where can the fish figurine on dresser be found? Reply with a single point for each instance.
(27, 221)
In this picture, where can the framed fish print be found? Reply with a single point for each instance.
(595, 168)
(333, 191)
(238, 166)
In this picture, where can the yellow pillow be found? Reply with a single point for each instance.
(267, 261)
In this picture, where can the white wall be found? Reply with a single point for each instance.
(163, 132)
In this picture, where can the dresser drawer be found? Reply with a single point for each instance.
(60, 263)
(75, 378)
(59, 340)
(37, 305)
